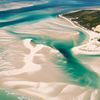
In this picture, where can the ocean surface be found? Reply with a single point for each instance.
(36, 57)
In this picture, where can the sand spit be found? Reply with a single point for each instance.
(90, 47)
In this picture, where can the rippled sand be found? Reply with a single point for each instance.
(35, 56)
(31, 71)
(30, 68)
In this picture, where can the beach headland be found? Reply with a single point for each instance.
(88, 22)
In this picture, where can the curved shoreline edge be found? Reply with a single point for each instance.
(91, 34)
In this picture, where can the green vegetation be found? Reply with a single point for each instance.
(86, 18)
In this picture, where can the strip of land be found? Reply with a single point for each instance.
(90, 26)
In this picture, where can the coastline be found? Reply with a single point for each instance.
(89, 33)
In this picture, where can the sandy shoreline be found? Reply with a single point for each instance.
(91, 35)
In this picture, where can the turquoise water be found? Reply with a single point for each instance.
(71, 66)
(8, 95)
(78, 73)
